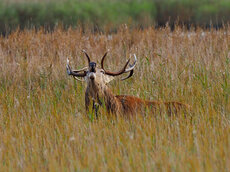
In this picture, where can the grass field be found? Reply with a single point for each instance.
(43, 124)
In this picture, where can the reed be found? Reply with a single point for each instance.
(43, 124)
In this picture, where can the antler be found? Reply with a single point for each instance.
(86, 55)
(123, 70)
(75, 73)
(131, 68)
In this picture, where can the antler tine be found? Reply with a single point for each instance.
(78, 78)
(73, 73)
(76, 71)
(79, 70)
(102, 60)
(131, 69)
(113, 73)
(86, 55)
(131, 66)
(130, 74)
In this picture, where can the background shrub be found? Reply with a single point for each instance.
(100, 14)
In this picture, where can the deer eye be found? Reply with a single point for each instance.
(102, 71)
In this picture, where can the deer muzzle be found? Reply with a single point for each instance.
(92, 75)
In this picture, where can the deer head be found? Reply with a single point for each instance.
(96, 79)
(99, 76)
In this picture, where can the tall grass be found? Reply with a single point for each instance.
(43, 124)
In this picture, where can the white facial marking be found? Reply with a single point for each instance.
(99, 77)
(92, 76)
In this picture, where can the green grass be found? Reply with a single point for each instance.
(43, 124)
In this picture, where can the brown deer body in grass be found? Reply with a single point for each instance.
(98, 92)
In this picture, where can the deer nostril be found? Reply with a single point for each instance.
(91, 77)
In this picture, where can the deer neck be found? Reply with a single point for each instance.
(102, 95)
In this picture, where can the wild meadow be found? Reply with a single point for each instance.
(44, 126)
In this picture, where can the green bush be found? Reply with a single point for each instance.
(100, 13)
(71, 13)
(215, 13)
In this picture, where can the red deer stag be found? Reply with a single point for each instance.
(97, 92)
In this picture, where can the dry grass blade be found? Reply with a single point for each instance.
(43, 125)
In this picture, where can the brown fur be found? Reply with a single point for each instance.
(124, 105)
(133, 105)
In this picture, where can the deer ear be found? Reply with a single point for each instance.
(108, 78)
